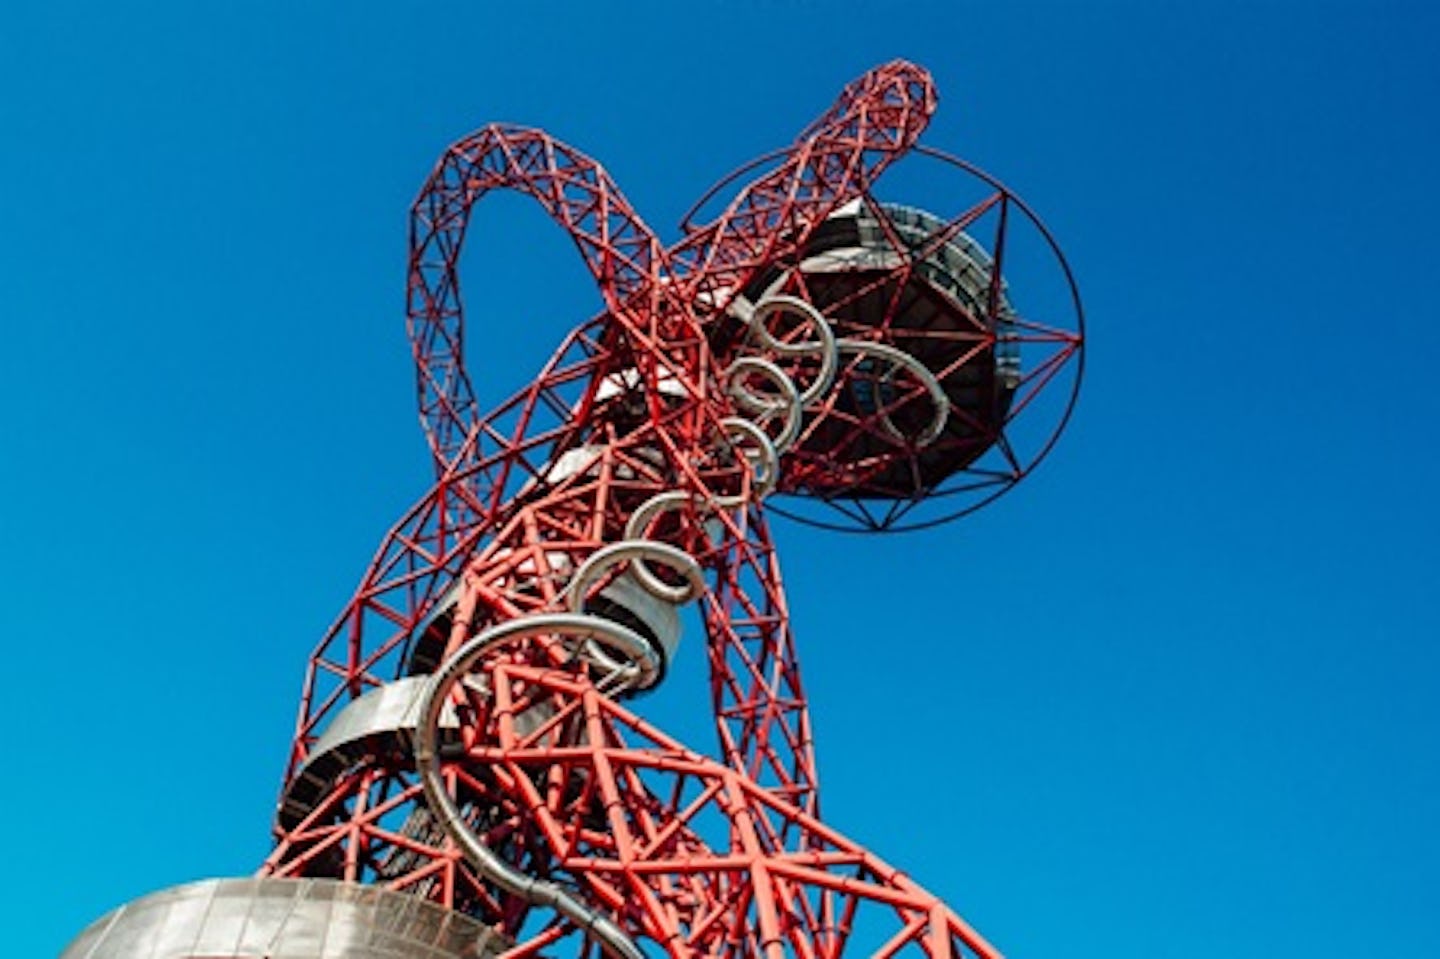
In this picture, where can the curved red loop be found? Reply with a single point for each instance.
(876, 119)
(619, 250)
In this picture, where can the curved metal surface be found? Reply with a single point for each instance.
(611, 937)
(786, 401)
(899, 358)
(822, 347)
(631, 604)
(271, 918)
(378, 723)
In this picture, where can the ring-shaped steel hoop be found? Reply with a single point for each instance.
(766, 465)
(636, 552)
(485, 860)
(788, 402)
(824, 347)
(668, 501)
(899, 357)
(629, 550)
(1074, 288)
(636, 528)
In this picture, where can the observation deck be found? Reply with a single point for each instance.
(891, 275)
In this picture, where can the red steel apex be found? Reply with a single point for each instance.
(469, 774)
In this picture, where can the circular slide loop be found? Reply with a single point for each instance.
(898, 357)
(759, 404)
(764, 460)
(485, 860)
(640, 520)
(631, 550)
(824, 347)
(641, 675)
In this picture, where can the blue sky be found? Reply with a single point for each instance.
(1175, 696)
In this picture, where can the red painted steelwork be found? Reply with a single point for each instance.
(696, 856)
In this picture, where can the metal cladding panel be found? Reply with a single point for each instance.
(377, 726)
(383, 719)
(283, 919)
(387, 708)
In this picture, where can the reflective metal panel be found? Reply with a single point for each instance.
(378, 723)
(266, 918)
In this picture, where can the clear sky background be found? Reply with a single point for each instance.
(1176, 696)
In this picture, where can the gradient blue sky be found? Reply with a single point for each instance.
(1175, 697)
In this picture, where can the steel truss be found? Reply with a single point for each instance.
(638, 407)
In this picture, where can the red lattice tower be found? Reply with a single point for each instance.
(465, 750)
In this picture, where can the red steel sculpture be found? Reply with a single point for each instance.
(468, 776)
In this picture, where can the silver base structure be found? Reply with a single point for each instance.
(284, 919)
